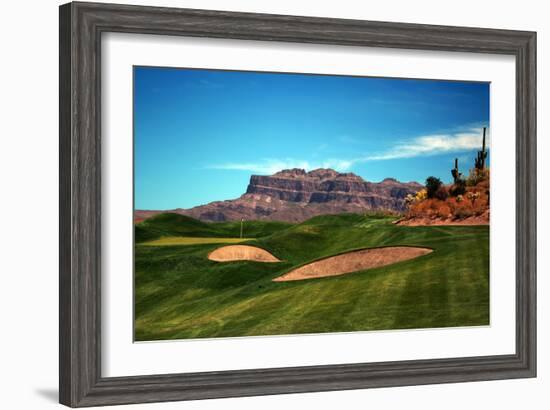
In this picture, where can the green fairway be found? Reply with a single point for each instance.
(179, 293)
(190, 240)
(169, 224)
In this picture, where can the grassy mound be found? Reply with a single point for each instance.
(176, 225)
(170, 224)
(191, 240)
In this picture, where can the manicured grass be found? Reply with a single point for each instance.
(179, 293)
(170, 224)
(190, 240)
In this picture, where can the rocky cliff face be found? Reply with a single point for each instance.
(327, 185)
(295, 195)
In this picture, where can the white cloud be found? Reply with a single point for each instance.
(270, 166)
(416, 147)
(431, 145)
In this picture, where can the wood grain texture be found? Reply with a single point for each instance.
(81, 25)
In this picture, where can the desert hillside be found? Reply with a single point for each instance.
(466, 202)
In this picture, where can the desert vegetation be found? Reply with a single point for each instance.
(466, 200)
(453, 203)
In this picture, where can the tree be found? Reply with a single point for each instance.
(432, 185)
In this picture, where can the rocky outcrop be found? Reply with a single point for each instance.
(295, 195)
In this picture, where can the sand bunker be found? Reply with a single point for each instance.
(241, 253)
(353, 261)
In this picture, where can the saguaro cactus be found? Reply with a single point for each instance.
(481, 155)
(455, 173)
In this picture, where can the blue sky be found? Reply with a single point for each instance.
(200, 134)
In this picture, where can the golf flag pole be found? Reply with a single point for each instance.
(242, 220)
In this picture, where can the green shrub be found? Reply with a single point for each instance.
(432, 185)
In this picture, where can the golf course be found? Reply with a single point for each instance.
(331, 273)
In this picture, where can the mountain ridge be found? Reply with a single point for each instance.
(294, 195)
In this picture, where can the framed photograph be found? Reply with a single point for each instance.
(262, 204)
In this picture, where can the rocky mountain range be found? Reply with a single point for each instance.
(294, 195)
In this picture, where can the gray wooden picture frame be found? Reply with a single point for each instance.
(81, 27)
